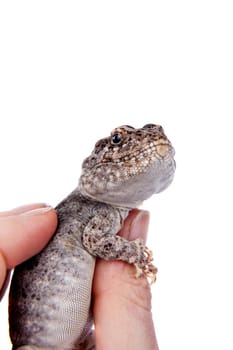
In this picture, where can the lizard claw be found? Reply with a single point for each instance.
(145, 267)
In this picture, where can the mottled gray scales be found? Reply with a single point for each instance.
(50, 294)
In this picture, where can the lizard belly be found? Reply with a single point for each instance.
(50, 298)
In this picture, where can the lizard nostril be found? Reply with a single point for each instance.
(153, 128)
(149, 126)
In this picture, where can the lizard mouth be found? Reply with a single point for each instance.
(139, 160)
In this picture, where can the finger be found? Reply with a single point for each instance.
(22, 209)
(122, 303)
(136, 225)
(24, 235)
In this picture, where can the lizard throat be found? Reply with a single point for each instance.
(126, 187)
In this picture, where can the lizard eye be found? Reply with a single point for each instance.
(116, 139)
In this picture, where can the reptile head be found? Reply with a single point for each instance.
(128, 166)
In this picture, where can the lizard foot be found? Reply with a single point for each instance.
(145, 267)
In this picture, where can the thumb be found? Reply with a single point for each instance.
(122, 303)
(23, 233)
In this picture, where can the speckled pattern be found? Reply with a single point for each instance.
(55, 285)
(50, 294)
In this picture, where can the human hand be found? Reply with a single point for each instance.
(24, 231)
(122, 303)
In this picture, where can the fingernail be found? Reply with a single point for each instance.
(139, 226)
(27, 207)
(22, 209)
(37, 211)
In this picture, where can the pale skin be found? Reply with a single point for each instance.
(121, 303)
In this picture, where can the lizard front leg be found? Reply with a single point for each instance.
(100, 240)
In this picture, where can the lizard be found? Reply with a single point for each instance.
(50, 294)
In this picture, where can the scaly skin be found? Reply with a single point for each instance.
(50, 293)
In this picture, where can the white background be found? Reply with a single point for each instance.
(71, 71)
